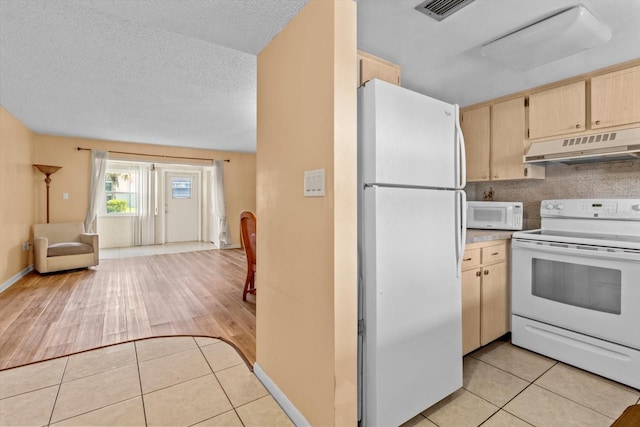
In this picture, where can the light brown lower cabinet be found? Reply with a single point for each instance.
(485, 294)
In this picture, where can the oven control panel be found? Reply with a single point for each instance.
(625, 209)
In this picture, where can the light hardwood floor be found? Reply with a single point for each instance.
(192, 293)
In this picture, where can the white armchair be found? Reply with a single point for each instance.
(63, 246)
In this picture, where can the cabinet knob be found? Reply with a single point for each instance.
(578, 126)
(466, 259)
(484, 176)
(486, 272)
(495, 176)
(478, 273)
(597, 122)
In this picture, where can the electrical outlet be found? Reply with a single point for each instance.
(25, 246)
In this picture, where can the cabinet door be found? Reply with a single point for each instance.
(558, 111)
(508, 139)
(471, 310)
(372, 67)
(476, 128)
(494, 303)
(615, 98)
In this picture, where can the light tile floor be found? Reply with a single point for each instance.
(504, 385)
(203, 381)
(168, 248)
(176, 381)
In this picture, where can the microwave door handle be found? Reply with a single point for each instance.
(572, 250)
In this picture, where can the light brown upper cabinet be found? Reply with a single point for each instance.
(508, 142)
(372, 67)
(602, 100)
(615, 98)
(558, 111)
(496, 142)
(476, 128)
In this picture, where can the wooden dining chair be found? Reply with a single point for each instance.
(248, 234)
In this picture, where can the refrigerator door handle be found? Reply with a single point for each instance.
(461, 229)
(462, 153)
(463, 233)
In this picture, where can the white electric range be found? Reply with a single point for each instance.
(576, 286)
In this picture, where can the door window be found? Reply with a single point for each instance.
(586, 286)
(181, 188)
(495, 215)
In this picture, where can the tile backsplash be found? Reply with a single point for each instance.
(594, 180)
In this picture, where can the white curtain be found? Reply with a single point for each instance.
(220, 229)
(144, 221)
(96, 194)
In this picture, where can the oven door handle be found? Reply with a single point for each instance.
(572, 249)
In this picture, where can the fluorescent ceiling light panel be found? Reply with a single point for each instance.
(556, 37)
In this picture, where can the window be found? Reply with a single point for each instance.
(181, 188)
(120, 183)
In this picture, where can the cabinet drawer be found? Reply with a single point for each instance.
(471, 258)
(493, 254)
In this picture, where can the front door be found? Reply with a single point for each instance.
(181, 207)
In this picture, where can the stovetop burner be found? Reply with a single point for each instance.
(600, 240)
(577, 235)
(598, 222)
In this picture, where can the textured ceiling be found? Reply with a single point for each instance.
(172, 72)
(183, 72)
(442, 59)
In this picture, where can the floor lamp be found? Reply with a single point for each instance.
(48, 171)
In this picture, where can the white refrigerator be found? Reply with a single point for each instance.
(412, 225)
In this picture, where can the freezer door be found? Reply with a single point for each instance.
(407, 138)
(412, 304)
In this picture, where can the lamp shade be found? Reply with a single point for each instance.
(48, 169)
(553, 38)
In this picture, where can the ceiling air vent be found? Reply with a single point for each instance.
(441, 9)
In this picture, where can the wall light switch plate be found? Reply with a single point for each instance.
(65, 196)
(314, 183)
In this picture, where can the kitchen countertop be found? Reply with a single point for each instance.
(474, 236)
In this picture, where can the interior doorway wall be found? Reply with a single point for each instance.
(182, 206)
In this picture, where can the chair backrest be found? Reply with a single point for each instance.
(248, 234)
(60, 232)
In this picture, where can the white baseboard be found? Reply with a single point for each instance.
(234, 246)
(15, 278)
(286, 405)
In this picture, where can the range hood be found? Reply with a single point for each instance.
(597, 147)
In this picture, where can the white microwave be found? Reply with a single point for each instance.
(494, 215)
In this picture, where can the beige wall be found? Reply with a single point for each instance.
(307, 280)
(17, 178)
(73, 178)
(116, 232)
(586, 181)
